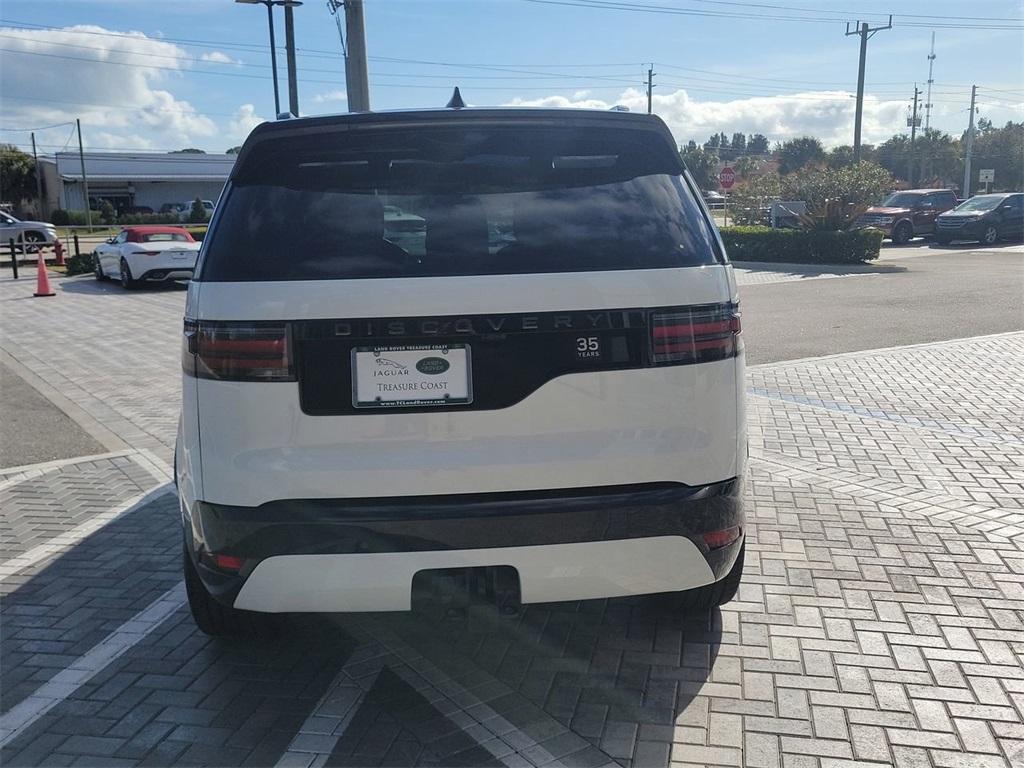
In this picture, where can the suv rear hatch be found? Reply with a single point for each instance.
(461, 303)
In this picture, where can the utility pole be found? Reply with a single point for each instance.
(866, 32)
(966, 191)
(85, 181)
(913, 133)
(289, 42)
(650, 88)
(356, 72)
(39, 181)
(928, 103)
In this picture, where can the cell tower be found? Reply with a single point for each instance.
(928, 103)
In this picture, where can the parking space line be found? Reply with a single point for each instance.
(878, 414)
(157, 466)
(487, 727)
(46, 466)
(68, 539)
(63, 684)
(319, 735)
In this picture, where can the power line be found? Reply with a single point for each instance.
(41, 128)
(310, 52)
(337, 83)
(193, 59)
(618, 5)
(851, 12)
(519, 68)
(535, 75)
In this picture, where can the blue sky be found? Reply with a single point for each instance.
(196, 72)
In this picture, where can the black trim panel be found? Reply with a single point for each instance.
(513, 354)
(463, 521)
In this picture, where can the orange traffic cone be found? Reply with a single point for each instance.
(42, 279)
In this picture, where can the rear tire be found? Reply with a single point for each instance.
(127, 282)
(703, 599)
(219, 620)
(990, 236)
(97, 269)
(902, 233)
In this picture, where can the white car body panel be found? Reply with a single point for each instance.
(549, 573)
(169, 255)
(180, 257)
(577, 430)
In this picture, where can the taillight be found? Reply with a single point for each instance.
(721, 538)
(233, 351)
(695, 334)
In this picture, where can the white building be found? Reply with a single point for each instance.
(134, 180)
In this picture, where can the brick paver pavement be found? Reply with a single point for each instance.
(881, 620)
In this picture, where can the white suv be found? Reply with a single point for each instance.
(538, 388)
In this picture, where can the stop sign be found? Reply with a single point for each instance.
(726, 177)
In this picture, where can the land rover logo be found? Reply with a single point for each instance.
(432, 365)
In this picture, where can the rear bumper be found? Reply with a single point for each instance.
(361, 555)
(166, 274)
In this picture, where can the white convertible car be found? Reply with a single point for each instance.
(147, 254)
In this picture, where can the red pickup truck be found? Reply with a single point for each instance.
(910, 213)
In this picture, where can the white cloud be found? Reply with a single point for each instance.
(336, 95)
(244, 121)
(75, 78)
(828, 115)
(218, 58)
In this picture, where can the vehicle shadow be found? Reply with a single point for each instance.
(590, 683)
(174, 696)
(87, 284)
(972, 246)
(816, 270)
(599, 681)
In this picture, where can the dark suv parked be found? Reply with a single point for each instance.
(985, 218)
(908, 214)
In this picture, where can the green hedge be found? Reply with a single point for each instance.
(801, 246)
(80, 264)
(198, 233)
(148, 218)
(63, 218)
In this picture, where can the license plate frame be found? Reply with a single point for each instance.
(401, 367)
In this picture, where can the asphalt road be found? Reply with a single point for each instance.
(941, 295)
(32, 429)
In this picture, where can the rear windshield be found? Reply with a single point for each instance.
(981, 203)
(456, 201)
(165, 237)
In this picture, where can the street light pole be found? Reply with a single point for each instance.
(290, 49)
(273, 58)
